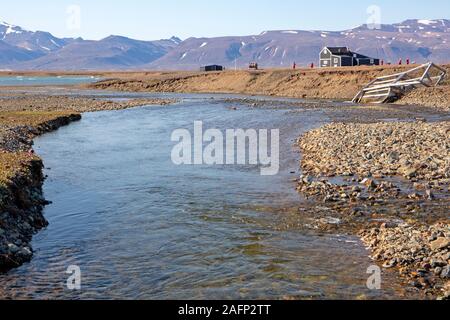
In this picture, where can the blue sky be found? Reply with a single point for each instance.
(156, 19)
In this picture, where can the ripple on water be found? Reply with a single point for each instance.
(140, 227)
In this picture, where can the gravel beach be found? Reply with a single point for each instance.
(394, 165)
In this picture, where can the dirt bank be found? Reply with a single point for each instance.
(336, 84)
(21, 198)
(438, 97)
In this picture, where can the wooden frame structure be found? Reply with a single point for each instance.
(390, 88)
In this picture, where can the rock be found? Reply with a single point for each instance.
(394, 156)
(307, 179)
(430, 195)
(369, 183)
(329, 198)
(390, 264)
(13, 248)
(409, 173)
(437, 263)
(330, 220)
(446, 291)
(439, 244)
(446, 256)
(26, 226)
(416, 284)
(445, 274)
(389, 225)
(368, 156)
(414, 196)
(25, 252)
(437, 271)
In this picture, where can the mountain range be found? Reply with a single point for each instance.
(417, 40)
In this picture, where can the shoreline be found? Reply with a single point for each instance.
(22, 200)
(340, 84)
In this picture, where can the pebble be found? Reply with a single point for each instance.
(420, 251)
(13, 248)
(445, 273)
(440, 243)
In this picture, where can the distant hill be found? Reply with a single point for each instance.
(10, 54)
(418, 40)
(113, 52)
(38, 42)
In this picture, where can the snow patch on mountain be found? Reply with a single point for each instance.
(427, 22)
(10, 29)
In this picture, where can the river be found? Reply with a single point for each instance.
(140, 227)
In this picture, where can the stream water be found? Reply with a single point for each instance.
(140, 227)
(45, 80)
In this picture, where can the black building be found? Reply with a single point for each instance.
(343, 57)
(213, 67)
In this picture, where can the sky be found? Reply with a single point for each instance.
(160, 19)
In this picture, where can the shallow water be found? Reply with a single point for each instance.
(45, 81)
(140, 227)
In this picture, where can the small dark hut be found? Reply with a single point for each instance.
(213, 67)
